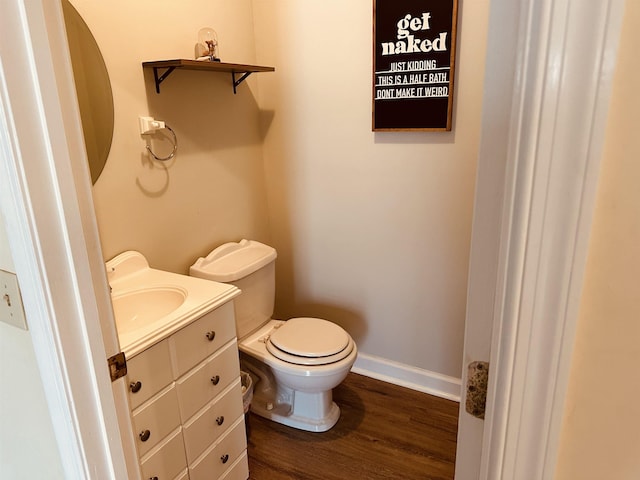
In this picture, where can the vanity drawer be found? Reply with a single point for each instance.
(239, 470)
(156, 419)
(148, 373)
(183, 476)
(221, 455)
(195, 342)
(167, 460)
(211, 422)
(208, 379)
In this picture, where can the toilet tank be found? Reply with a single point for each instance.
(250, 266)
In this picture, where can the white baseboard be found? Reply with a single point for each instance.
(407, 376)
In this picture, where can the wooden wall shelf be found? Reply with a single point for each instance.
(239, 73)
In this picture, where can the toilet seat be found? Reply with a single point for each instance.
(309, 341)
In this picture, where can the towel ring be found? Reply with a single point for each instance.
(175, 147)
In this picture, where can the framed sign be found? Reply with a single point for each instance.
(414, 51)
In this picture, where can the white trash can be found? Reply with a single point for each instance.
(247, 396)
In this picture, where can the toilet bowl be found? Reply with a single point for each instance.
(295, 364)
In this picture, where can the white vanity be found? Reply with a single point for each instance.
(183, 372)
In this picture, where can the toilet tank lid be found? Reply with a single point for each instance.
(233, 261)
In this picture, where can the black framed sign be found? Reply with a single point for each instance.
(414, 51)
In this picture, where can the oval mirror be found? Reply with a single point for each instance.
(93, 89)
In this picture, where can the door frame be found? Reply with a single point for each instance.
(542, 136)
(47, 205)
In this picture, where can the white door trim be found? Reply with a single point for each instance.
(566, 54)
(45, 196)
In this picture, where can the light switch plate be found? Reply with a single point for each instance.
(11, 309)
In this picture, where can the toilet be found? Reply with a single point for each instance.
(294, 364)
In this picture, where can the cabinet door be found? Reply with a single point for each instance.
(221, 456)
(156, 419)
(213, 421)
(195, 342)
(148, 373)
(208, 380)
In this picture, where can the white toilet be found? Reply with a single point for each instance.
(297, 362)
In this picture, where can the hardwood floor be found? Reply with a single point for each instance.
(384, 432)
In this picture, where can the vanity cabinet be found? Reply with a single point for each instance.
(186, 400)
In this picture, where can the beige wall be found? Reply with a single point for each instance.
(214, 190)
(372, 229)
(601, 428)
(6, 261)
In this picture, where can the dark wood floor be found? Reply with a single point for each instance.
(384, 432)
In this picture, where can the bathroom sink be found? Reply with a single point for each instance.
(137, 308)
(150, 304)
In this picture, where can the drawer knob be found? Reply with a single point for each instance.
(135, 386)
(211, 335)
(144, 436)
(153, 478)
(215, 379)
(224, 458)
(220, 420)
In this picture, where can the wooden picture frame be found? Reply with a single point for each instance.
(414, 52)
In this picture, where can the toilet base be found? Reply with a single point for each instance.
(310, 412)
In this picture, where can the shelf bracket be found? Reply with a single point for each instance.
(161, 78)
(238, 81)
